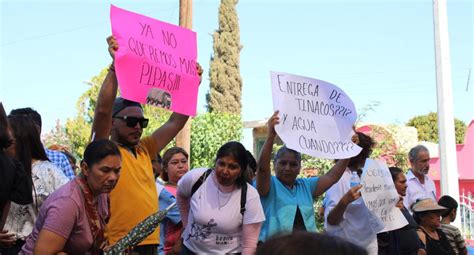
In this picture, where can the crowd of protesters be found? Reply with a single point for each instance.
(49, 205)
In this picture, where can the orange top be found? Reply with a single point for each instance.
(134, 198)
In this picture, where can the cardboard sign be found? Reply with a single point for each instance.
(155, 62)
(316, 117)
(380, 195)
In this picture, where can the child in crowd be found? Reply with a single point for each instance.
(452, 233)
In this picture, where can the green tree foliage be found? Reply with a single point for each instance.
(209, 132)
(427, 126)
(78, 129)
(57, 136)
(312, 166)
(225, 81)
(386, 148)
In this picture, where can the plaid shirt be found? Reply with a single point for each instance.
(61, 161)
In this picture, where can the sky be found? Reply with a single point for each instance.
(376, 51)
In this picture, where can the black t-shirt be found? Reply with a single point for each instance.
(15, 184)
(438, 247)
(408, 238)
(298, 224)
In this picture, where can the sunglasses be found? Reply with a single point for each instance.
(132, 121)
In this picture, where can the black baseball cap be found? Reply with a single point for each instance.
(122, 103)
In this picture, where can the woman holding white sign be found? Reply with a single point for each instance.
(286, 199)
(403, 241)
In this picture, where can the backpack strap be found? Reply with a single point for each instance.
(243, 198)
(199, 182)
(243, 191)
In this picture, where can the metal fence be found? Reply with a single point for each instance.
(466, 213)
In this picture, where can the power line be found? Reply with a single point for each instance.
(36, 37)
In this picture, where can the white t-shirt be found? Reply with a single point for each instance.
(355, 226)
(215, 222)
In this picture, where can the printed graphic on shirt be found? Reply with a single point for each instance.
(224, 240)
(201, 231)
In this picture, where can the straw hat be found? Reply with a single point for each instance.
(427, 205)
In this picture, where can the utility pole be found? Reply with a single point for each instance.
(447, 144)
(183, 139)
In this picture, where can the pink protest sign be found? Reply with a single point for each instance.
(155, 62)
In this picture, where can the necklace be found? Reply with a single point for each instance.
(223, 198)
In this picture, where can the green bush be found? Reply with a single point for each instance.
(209, 131)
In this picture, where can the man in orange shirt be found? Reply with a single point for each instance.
(134, 197)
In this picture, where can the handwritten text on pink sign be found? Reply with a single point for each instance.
(155, 62)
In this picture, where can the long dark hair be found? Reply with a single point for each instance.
(28, 144)
(239, 153)
(28, 111)
(21, 194)
(5, 139)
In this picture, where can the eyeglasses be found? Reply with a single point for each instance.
(132, 121)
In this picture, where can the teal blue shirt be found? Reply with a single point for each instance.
(280, 206)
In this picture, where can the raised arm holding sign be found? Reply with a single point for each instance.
(286, 199)
(316, 116)
(404, 240)
(380, 195)
(134, 197)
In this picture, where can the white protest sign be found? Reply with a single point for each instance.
(316, 117)
(380, 195)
